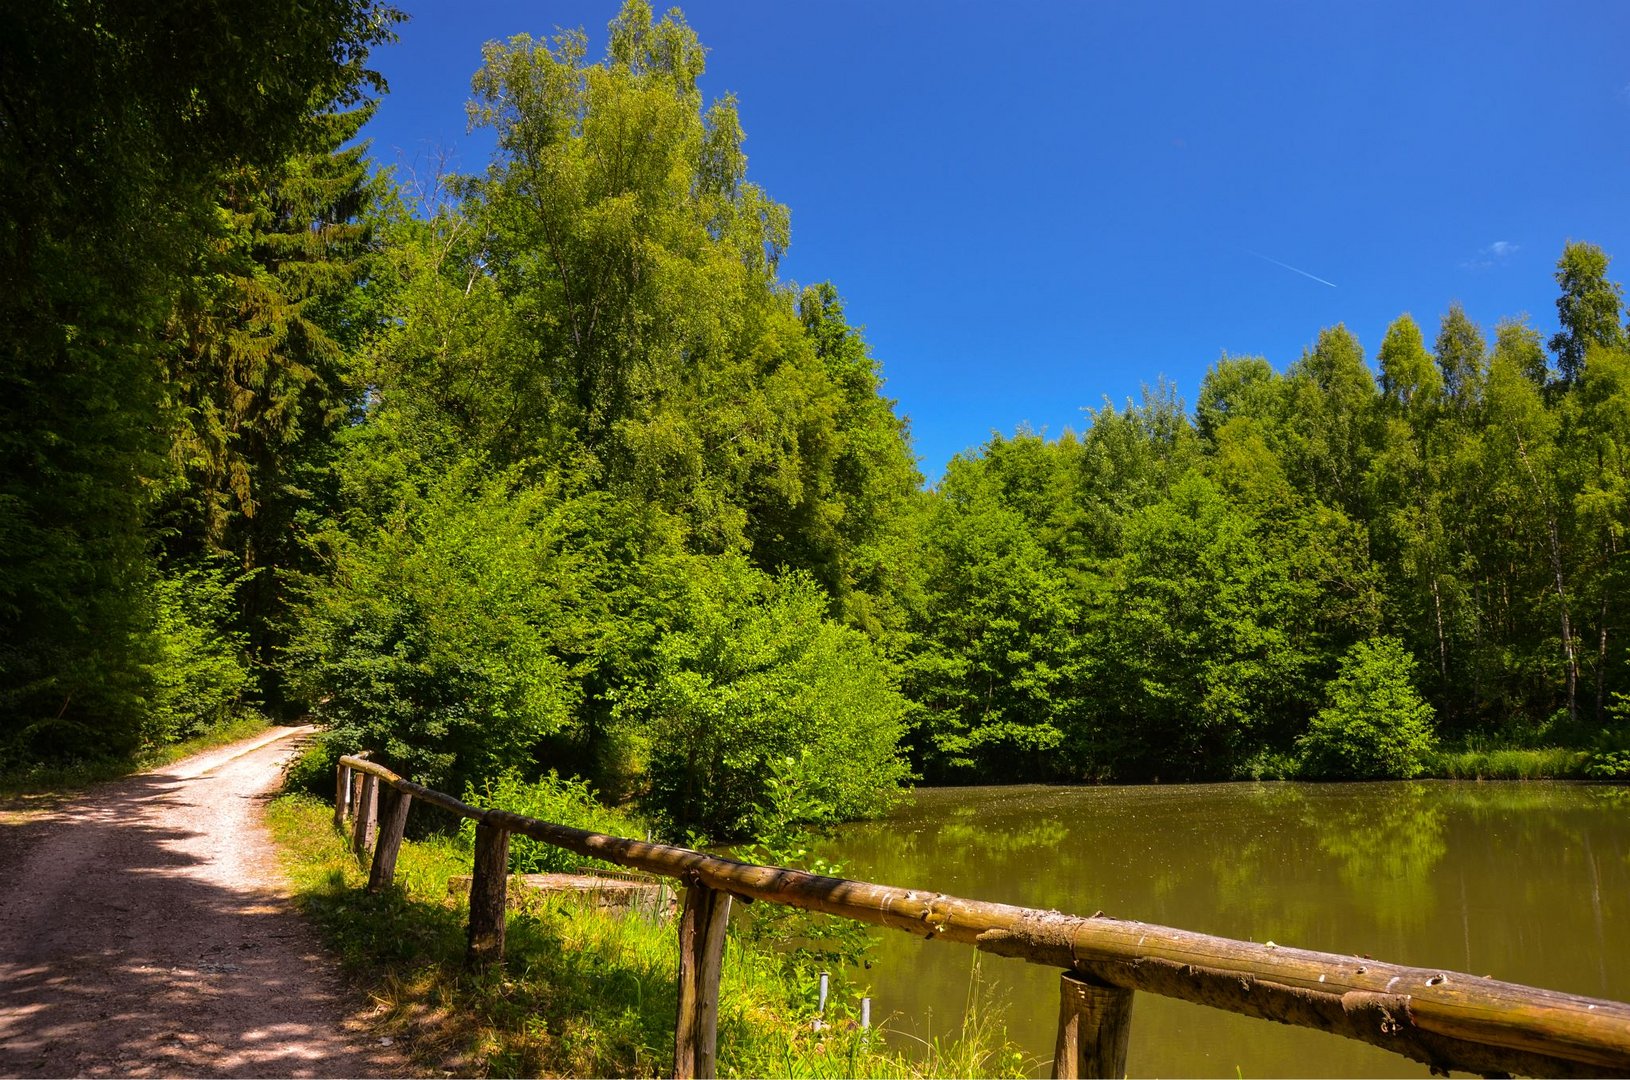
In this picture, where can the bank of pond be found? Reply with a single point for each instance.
(1526, 882)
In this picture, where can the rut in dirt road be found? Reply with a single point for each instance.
(145, 931)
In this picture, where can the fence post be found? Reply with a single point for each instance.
(489, 889)
(362, 833)
(393, 814)
(701, 952)
(1094, 1021)
(342, 794)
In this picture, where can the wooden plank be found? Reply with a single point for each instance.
(1094, 1024)
(418, 791)
(362, 829)
(342, 794)
(702, 926)
(393, 815)
(489, 889)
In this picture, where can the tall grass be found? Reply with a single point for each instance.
(583, 992)
(1549, 763)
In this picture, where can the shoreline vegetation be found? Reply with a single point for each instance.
(52, 780)
(1513, 763)
(585, 992)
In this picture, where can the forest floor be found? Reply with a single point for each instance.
(146, 930)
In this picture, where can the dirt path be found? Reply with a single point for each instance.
(145, 931)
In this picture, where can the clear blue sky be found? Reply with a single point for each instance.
(1033, 207)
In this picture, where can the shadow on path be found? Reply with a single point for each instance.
(144, 930)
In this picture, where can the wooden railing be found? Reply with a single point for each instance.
(1444, 1019)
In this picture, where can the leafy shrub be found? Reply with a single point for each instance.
(311, 771)
(200, 668)
(1376, 725)
(748, 680)
(1609, 765)
(1610, 750)
(555, 800)
(434, 644)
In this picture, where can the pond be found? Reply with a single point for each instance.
(1527, 882)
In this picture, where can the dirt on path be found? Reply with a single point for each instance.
(146, 930)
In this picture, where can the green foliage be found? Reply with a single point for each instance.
(749, 681)
(1508, 763)
(584, 992)
(1589, 309)
(434, 643)
(119, 129)
(1208, 639)
(311, 772)
(1609, 765)
(1375, 725)
(555, 800)
(999, 614)
(201, 677)
(806, 942)
(259, 348)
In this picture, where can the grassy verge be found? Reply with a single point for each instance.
(44, 783)
(1551, 763)
(583, 993)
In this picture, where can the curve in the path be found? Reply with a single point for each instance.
(145, 930)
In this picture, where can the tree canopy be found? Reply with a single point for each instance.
(555, 472)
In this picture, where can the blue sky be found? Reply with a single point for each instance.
(1032, 207)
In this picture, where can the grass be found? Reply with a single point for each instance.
(43, 784)
(583, 993)
(1551, 763)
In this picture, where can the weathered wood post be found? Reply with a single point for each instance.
(393, 814)
(701, 953)
(362, 833)
(342, 794)
(489, 890)
(1094, 1021)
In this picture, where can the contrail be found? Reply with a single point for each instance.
(1291, 268)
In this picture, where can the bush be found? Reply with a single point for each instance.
(435, 643)
(1610, 756)
(1609, 765)
(311, 772)
(200, 666)
(749, 681)
(1375, 726)
(552, 799)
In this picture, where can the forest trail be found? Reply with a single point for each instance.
(146, 930)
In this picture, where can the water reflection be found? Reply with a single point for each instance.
(1528, 882)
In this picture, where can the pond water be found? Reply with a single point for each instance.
(1527, 882)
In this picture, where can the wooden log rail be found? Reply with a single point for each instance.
(1444, 1019)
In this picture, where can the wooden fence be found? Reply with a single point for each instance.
(1444, 1019)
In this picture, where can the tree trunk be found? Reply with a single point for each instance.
(1569, 654)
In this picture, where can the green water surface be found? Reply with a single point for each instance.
(1528, 882)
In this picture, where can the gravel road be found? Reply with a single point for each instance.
(145, 930)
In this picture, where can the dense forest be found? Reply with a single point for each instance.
(547, 468)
